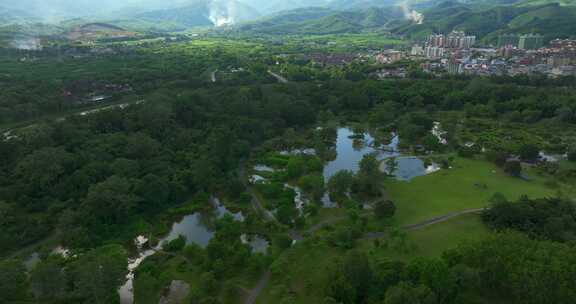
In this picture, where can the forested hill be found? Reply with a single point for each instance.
(549, 19)
(325, 21)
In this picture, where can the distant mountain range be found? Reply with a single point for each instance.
(485, 18)
(324, 21)
(204, 13)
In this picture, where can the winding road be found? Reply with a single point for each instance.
(6, 134)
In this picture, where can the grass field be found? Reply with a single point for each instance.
(301, 271)
(469, 184)
(433, 240)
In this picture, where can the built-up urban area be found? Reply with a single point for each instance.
(458, 53)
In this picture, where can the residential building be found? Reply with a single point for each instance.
(508, 40)
(455, 67)
(436, 40)
(459, 40)
(434, 52)
(531, 42)
(417, 50)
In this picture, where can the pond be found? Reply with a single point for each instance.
(257, 242)
(350, 151)
(263, 168)
(195, 227)
(410, 167)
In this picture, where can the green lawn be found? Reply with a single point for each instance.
(302, 269)
(433, 240)
(459, 188)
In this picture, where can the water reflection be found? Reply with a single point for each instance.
(263, 168)
(258, 243)
(352, 146)
(350, 150)
(410, 167)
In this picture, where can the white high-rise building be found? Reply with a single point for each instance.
(434, 52)
(417, 50)
(454, 40)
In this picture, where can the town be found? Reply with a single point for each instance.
(459, 54)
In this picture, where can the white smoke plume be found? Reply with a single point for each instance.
(26, 43)
(411, 14)
(223, 13)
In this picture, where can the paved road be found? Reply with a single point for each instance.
(255, 292)
(8, 133)
(278, 77)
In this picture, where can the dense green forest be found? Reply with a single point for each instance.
(243, 166)
(99, 179)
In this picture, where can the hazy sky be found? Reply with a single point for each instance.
(82, 7)
(54, 10)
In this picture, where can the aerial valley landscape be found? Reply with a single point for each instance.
(290, 152)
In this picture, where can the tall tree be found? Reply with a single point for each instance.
(13, 281)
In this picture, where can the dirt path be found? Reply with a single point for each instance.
(441, 219)
(426, 223)
(255, 292)
(278, 77)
